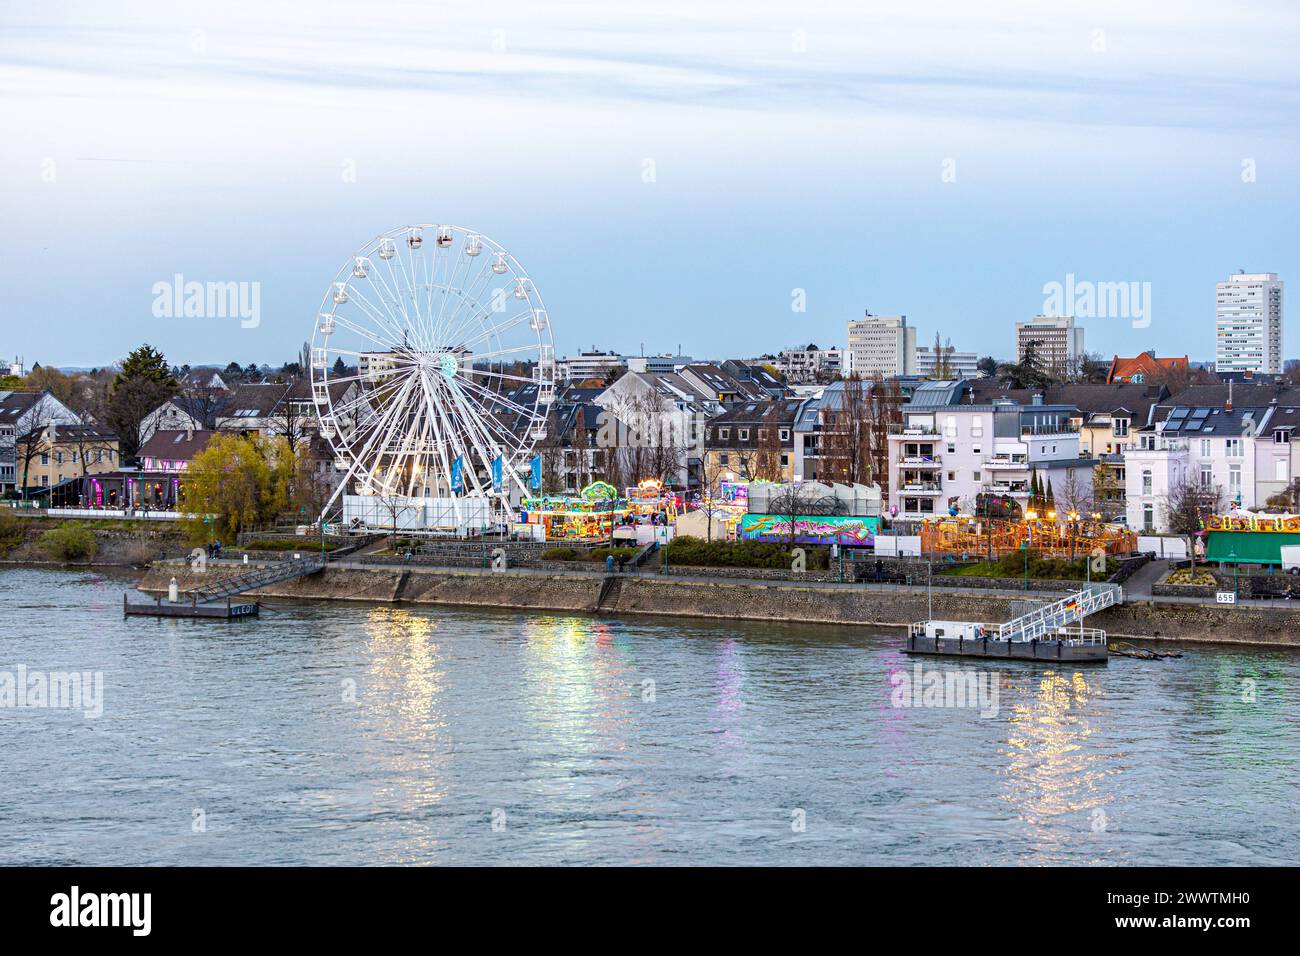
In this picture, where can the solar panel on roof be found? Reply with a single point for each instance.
(1201, 413)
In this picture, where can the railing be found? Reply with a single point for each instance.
(273, 574)
(920, 486)
(922, 461)
(113, 513)
(1009, 489)
(1058, 614)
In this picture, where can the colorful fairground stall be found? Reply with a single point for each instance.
(651, 501)
(1250, 538)
(591, 515)
(1052, 534)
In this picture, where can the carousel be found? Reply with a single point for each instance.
(591, 515)
(1051, 534)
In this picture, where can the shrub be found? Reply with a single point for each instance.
(687, 550)
(1012, 565)
(69, 543)
(11, 531)
(560, 554)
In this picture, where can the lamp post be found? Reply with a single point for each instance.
(1030, 517)
(1232, 556)
(929, 589)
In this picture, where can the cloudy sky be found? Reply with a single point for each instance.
(668, 173)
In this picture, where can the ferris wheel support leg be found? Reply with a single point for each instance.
(347, 476)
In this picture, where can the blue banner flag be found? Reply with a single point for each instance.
(537, 472)
(496, 474)
(457, 478)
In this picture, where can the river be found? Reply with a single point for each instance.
(374, 734)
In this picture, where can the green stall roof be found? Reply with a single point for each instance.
(1251, 547)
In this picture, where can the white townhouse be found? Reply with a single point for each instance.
(948, 454)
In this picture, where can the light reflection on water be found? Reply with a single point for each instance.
(616, 741)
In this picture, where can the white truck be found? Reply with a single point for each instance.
(1291, 558)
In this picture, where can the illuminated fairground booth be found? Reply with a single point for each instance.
(651, 501)
(591, 515)
(1052, 534)
(1250, 538)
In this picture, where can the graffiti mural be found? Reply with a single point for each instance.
(845, 530)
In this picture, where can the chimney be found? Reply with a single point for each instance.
(189, 434)
(1228, 407)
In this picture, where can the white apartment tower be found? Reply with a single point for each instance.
(1248, 324)
(882, 345)
(1058, 342)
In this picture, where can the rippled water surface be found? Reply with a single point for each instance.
(358, 734)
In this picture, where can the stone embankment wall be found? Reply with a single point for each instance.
(113, 548)
(739, 600)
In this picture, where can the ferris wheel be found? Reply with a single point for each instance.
(432, 366)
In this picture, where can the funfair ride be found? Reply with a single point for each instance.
(433, 373)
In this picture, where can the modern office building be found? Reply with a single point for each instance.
(882, 345)
(1057, 342)
(950, 365)
(1248, 324)
(592, 363)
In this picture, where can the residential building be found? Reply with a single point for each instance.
(1248, 324)
(1242, 450)
(69, 453)
(750, 441)
(23, 415)
(1057, 342)
(251, 408)
(809, 364)
(183, 411)
(1144, 368)
(820, 435)
(758, 373)
(651, 427)
(947, 363)
(714, 383)
(883, 345)
(945, 456)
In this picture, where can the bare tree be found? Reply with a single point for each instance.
(847, 434)
(802, 501)
(1187, 504)
(27, 446)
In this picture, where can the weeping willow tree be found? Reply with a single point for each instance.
(240, 481)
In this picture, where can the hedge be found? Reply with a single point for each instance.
(697, 552)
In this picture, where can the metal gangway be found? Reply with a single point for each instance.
(256, 578)
(1050, 618)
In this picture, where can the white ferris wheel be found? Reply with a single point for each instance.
(432, 366)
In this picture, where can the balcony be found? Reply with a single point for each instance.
(1014, 489)
(920, 488)
(914, 431)
(1005, 463)
(921, 461)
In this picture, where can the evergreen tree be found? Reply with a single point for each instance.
(144, 383)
